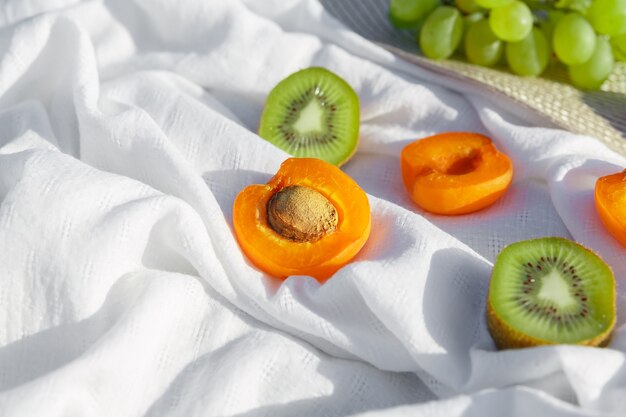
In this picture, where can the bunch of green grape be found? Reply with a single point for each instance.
(587, 36)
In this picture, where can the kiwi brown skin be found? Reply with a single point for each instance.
(506, 336)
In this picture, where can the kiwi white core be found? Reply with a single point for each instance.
(556, 289)
(310, 119)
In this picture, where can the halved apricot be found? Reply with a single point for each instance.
(285, 232)
(610, 197)
(455, 173)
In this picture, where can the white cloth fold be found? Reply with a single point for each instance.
(128, 128)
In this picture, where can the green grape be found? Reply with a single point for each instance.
(574, 39)
(608, 17)
(579, 6)
(441, 32)
(492, 4)
(467, 6)
(530, 56)
(619, 47)
(552, 18)
(481, 45)
(472, 18)
(592, 73)
(406, 14)
(512, 22)
(467, 22)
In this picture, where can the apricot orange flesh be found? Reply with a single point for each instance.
(455, 173)
(282, 256)
(610, 198)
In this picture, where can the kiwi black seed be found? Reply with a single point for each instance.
(548, 291)
(312, 113)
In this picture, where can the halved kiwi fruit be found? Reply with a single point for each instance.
(549, 291)
(312, 113)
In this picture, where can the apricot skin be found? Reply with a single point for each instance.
(455, 173)
(610, 199)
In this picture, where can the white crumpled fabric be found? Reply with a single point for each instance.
(128, 128)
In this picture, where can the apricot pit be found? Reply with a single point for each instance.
(301, 214)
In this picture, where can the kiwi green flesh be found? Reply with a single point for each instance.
(554, 290)
(312, 113)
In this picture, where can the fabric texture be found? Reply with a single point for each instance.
(128, 128)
